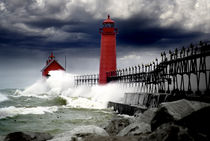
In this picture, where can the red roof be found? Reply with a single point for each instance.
(50, 64)
(108, 20)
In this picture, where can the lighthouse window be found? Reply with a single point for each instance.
(109, 25)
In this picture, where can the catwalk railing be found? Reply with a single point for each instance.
(88, 80)
(181, 71)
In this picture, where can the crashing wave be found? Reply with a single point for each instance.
(61, 84)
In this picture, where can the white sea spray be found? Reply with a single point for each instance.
(61, 84)
(3, 97)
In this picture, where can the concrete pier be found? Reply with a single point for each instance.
(125, 108)
(139, 102)
(144, 99)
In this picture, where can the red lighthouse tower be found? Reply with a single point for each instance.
(108, 49)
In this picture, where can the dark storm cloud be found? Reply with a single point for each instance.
(12, 39)
(141, 31)
(50, 32)
(63, 24)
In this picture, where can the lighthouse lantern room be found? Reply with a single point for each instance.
(51, 64)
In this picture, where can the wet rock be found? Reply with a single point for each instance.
(113, 138)
(198, 123)
(147, 116)
(2, 138)
(80, 133)
(135, 129)
(116, 125)
(181, 120)
(28, 136)
(174, 111)
(168, 132)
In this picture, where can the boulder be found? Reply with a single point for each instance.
(2, 138)
(135, 129)
(28, 136)
(116, 125)
(147, 116)
(175, 111)
(79, 133)
(168, 132)
(112, 138)
(198, 123)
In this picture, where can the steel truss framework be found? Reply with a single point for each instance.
(173, 72)
(176, 72)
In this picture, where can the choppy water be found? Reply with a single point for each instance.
(22, 113)
(55, 105)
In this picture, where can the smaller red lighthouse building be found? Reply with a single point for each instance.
(51, 64)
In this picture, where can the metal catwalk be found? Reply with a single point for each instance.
(183, 71)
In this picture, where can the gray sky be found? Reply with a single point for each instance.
(30, 30)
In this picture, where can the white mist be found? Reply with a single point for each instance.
(61, 84)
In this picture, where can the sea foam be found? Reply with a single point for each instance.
(13, 111)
